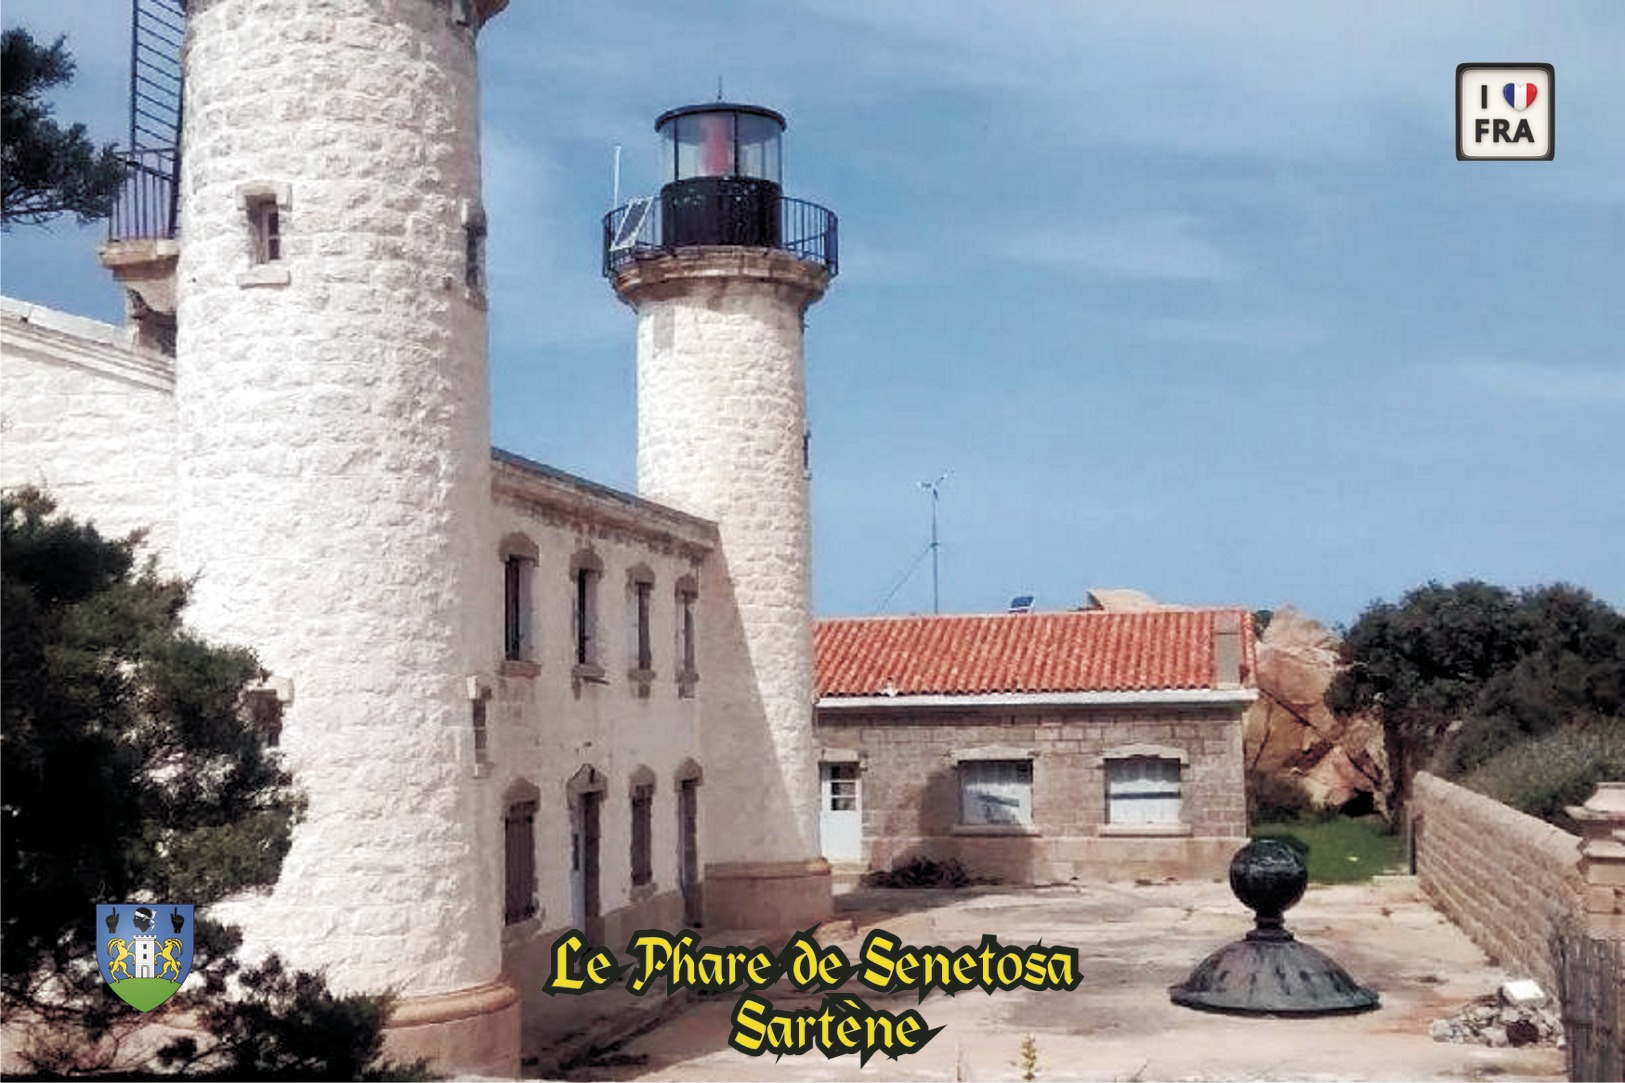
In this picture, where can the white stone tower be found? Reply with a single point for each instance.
(721, 268)
(334, 465)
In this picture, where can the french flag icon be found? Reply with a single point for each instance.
(1519, 95)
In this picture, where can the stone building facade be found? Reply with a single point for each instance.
(519, 702)
(509, 695)
(579, 735)
(1036, 748)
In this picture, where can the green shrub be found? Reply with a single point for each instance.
(1543, 775)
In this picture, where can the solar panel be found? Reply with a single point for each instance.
(627, 235)
(1021, 603)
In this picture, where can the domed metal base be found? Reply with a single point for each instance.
(1272, 975)
(1268, 972)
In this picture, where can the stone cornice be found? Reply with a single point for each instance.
(656, 277)
(88, 344)
(562, 499)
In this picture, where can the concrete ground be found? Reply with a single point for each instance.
(1133, 942)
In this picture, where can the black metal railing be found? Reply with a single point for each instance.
(805, 230)
(148, 205)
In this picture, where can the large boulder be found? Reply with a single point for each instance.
(1290, 733)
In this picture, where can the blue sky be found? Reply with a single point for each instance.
(1191, 298)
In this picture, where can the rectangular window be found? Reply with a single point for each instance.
(843, 786)
(265, 712)
(481, 733)
(996, 792)
(517, 573)
(265, 228)
(585, 617)
(1142, 790)
(643, 803)
(645, 648)
(474, 232)
(685, 632)
(519, 851)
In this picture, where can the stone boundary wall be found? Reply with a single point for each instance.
(1506, 879)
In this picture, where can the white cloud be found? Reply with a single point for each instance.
(1537, 382)
(1165, 246)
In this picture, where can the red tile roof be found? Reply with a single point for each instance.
(1087, 651)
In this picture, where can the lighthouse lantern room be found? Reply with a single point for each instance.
(722, 170)
(722, 175)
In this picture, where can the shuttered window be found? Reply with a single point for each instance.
(1142, 790)
(996, 792)
(519, 849)
(643, 803)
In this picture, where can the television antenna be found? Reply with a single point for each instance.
(934, 487)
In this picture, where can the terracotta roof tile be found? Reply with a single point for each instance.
(1087, 651)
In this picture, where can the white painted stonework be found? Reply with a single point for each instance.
(317, 455)
(546, 725)
(89, 418)
(721, 422)
(332, 490)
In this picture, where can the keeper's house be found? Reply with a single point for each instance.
(1036, 748)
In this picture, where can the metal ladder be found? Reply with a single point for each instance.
(148, 206)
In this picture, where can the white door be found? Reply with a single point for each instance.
(840, 816)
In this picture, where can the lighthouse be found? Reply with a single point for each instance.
(332, 488)
(720, 268)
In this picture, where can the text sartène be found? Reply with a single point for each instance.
(842, 1023)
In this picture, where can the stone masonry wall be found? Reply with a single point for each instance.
(333, 481)
(910, 790)
(90, 419)
(1507, 879)
(721, 420)
(547, 724)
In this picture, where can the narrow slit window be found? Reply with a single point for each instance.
(481, 734)
(643, 801)
(517, 572)
(585, 616)
(685, 631)
(265, 229)
(474, 235)
(645, 647)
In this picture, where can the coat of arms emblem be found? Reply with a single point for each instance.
(144, 950)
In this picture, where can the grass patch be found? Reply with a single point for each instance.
(1341, 849)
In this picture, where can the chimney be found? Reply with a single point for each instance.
(1227, 648)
